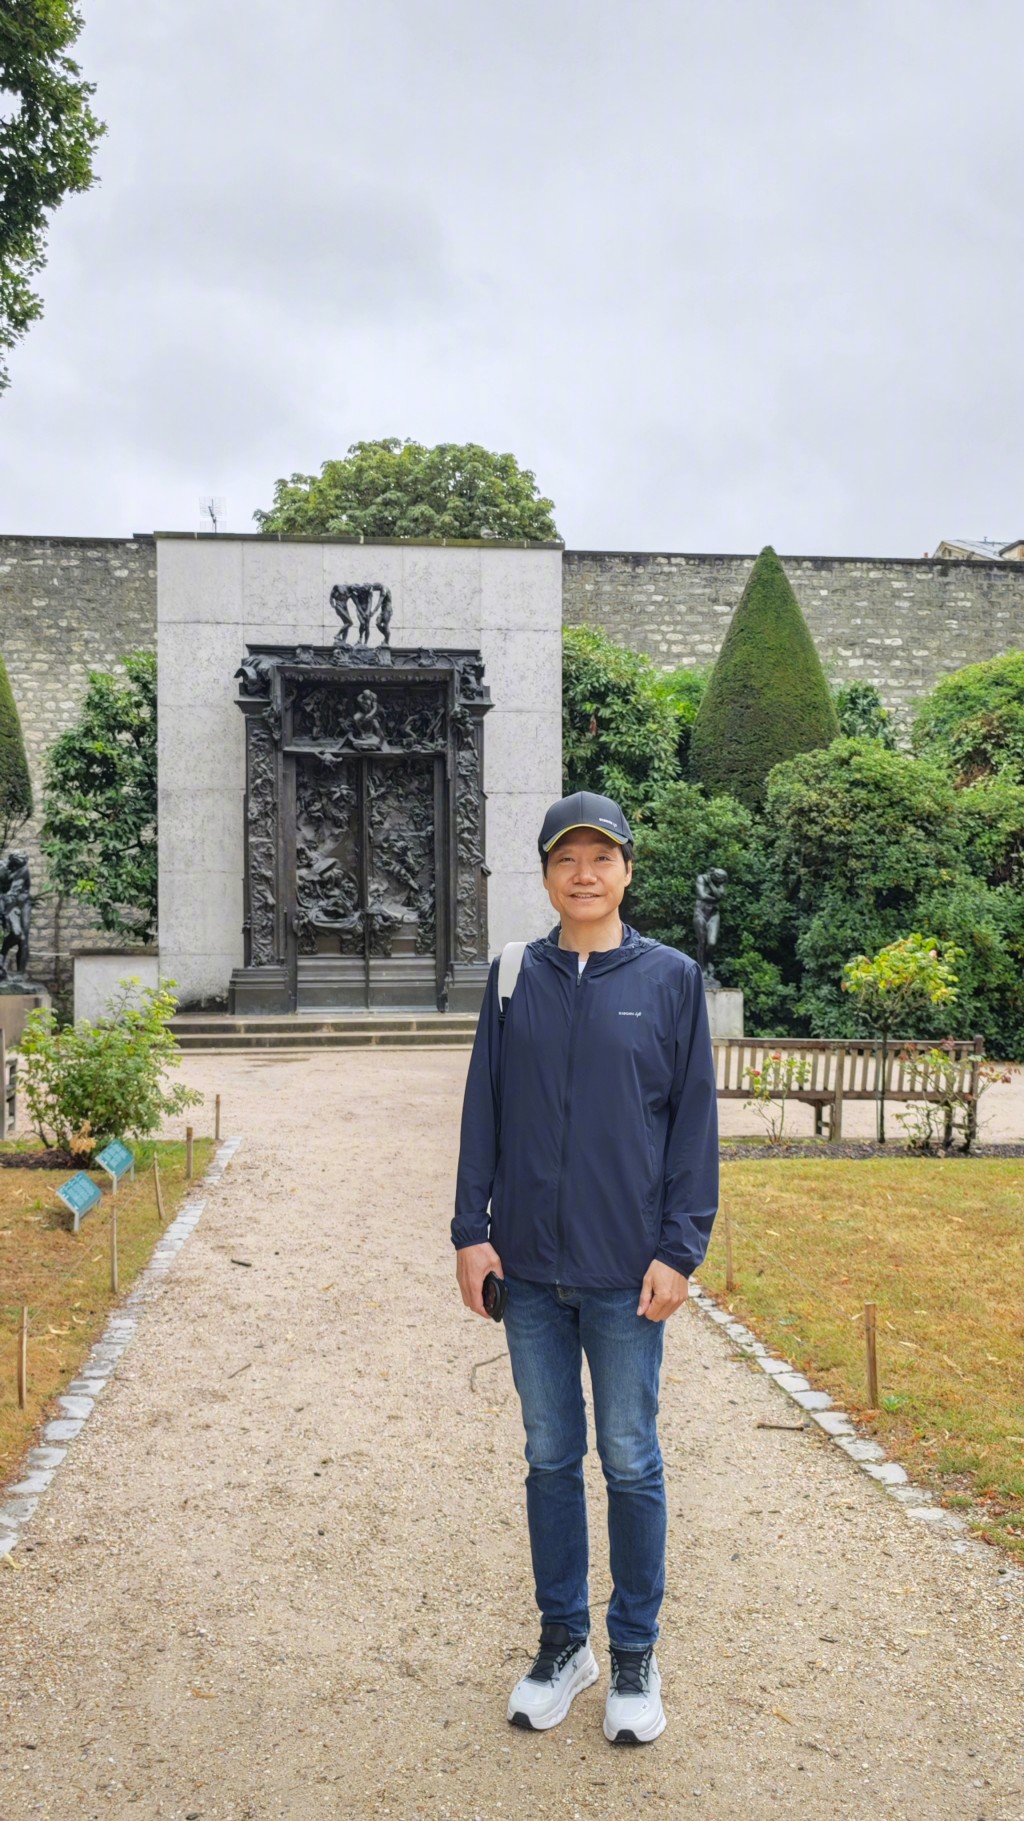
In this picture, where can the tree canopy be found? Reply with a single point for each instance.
(15, 784)
(48, 134)
(620, 725)
(99, 823)
(396, 488)
(767, 698)
(973, 721)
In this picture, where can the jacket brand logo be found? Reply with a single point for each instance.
(631, 1014)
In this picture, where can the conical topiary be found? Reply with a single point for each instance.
(768, 697)
(15, 786)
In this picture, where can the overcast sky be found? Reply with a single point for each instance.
(720, 273)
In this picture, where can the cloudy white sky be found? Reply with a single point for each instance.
(721, 274)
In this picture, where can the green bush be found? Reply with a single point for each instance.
(987, 924)
(99, 826)
(684, 832)
(973, 721)
(990, 814)
(859, 835)
(768, 698)
(15, 785)
(863, 715)
(619, 724)
(104, 1080)
(685, 690)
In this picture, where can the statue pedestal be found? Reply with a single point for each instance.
(15, 1004)
(725, 1010)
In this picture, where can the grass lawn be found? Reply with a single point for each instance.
(64, 1278)
(939, 1246)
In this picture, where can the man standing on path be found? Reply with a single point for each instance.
(588, 1179)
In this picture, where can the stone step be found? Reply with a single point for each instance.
(354, 1031)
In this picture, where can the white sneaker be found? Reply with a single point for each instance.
(633, 1712)
(563, 1666)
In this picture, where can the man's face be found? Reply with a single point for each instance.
(586, 876)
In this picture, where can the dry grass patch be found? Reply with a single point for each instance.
(64, 1277)
(939, 1246)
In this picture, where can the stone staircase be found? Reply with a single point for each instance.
(325, 1031)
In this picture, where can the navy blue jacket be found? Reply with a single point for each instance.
(590, 1120)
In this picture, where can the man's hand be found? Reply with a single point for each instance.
(662, 1292)
(472, 1264)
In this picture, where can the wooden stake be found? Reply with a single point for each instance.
(159, 1192)
(872, 1358)
(730, 1282)
(216, 1117)
(23, 1358)
(113, 1246)
(188, 1152)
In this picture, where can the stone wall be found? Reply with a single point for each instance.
(899, 624)
(67, 606)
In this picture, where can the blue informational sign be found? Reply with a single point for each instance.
(80, 1194)
(117, 1160)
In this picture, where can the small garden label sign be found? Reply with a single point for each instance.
(117, 1160)
(80, 1194)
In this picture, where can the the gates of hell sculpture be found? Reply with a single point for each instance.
(365, 878)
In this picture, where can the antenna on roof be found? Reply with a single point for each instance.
(211, 510)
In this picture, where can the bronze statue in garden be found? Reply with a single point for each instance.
(706, 917)
(15, 915)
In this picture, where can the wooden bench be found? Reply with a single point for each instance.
(841, 1069)
(8, 1090)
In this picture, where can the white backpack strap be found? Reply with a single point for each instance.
(508, 973)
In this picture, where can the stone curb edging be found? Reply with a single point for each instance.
(917, 1502)
(78, 1402)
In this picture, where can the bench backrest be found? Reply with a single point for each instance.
(858, 1059)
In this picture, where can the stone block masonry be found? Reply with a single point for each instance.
(67, 606)
(898, 623)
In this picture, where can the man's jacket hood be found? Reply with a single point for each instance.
(589, 1127)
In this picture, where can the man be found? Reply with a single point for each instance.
(590, 1131)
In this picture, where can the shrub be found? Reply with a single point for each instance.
(863, 715)
(15, 785)
(685, 689)
(973, 721)
(901, 978)
(619, 725)
(99, 827)
(682, 833)
(105, 1078)
(860, 834)
(768, 697)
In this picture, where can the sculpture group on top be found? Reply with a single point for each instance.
(15, 919)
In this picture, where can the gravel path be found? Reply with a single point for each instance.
(284, 1571)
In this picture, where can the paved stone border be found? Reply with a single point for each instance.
(917, 1502)
(77, 1403)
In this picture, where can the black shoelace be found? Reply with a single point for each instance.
(553, 1655)
(630, 1669)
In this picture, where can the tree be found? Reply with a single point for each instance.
(902, 977)
(860, 834)
(863, 715)
(973, 721)
(619, 725)
(685, 689)
(15, 784)
(48, 134)
(684, 832)
(99, 808)
(393, 488)
(768, 697)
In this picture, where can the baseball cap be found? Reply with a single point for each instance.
(584, 809)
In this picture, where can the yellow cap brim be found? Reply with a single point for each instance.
(620, 840)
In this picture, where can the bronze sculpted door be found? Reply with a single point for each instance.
(365, 872)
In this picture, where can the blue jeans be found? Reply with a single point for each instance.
(550, 1327)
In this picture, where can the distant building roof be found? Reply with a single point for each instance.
(981, 550)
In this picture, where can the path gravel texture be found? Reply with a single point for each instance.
(284, 1571)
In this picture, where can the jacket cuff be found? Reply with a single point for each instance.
(675, 1261)
(470, 1233)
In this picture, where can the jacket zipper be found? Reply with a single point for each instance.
(560, 1211)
